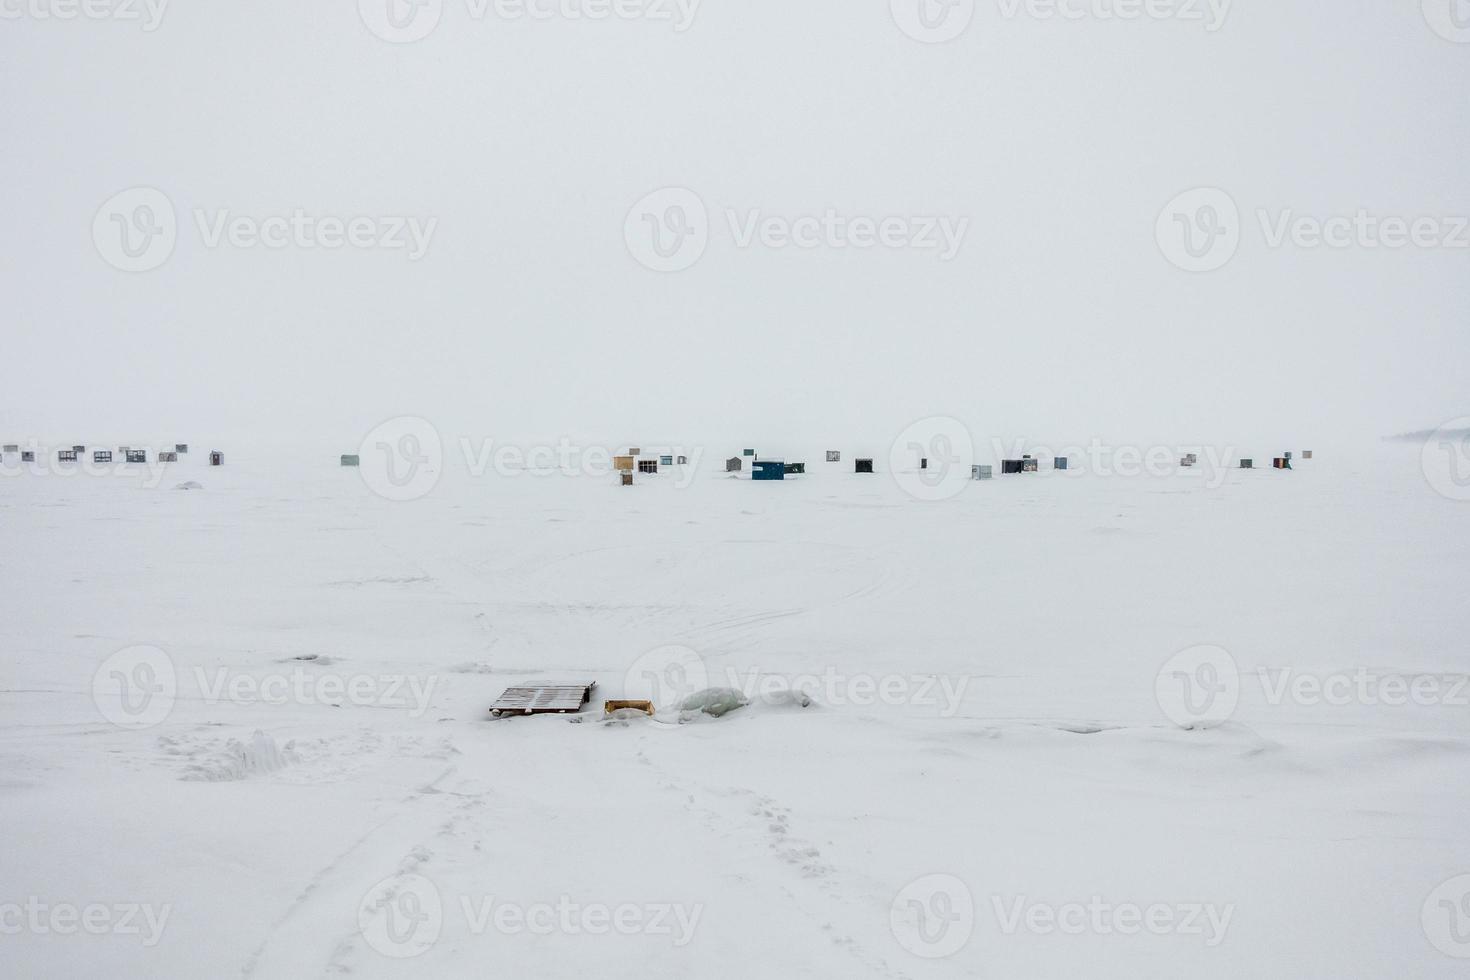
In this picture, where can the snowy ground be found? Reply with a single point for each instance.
(988, 785)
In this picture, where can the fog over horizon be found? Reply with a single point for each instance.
(1051, 150)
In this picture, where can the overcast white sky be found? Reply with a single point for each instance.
(529, 140)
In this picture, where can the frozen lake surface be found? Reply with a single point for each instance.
(245, 725)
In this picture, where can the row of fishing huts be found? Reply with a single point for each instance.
(776, 469)
(124, 454)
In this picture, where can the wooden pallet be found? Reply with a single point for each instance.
(543, 699)
(608, 707)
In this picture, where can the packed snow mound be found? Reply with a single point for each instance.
(713, 701)
(788, 698)
(240, 760)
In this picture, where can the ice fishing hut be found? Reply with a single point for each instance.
(666, 461)
(768, 469)
(10, 448)
(748, 452)
(624, 464)
(648, 466)
(982, 472)
(1281, 463)
(135, 456)
(1306, 454)
(66, 456)
(833, 456)
(626, 478)
(182, 447)
(216, 458)
(78, 449)
(733, 464)
(798, 468)
(634, 451)
(1247, 464)
(166, 457)
(1059, 463)
(102, 456)
(683, 461)
(350, 460)
(862, 466)
(27, 456)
